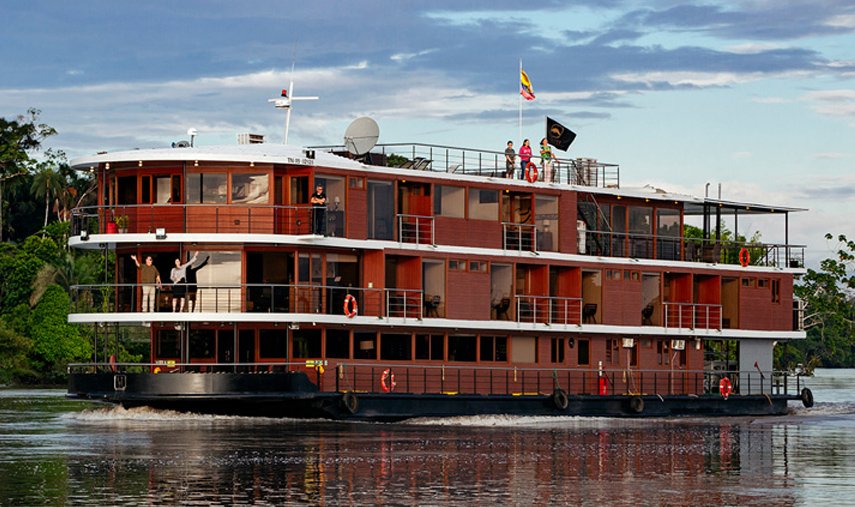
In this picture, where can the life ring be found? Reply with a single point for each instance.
(560, 400)
(531, 172)
(725, 387)
(387, 381)
(113, 366)
(351, 309)
(807, 398)
(350, 402)
(636, 404)
(156, 370)
(744, 257)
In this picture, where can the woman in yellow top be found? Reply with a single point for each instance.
(547, 158)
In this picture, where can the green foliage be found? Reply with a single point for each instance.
(830, 314)
(55, 341)
(19, 269)
(14, 348)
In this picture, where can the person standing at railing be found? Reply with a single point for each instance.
(178, 275)
(525, 157)
(192, 288)
(319, 210)
(150, 278)
(510, 160)
(547, 158)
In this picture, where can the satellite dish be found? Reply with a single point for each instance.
(361, 135)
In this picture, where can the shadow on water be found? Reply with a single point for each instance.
(61, 452)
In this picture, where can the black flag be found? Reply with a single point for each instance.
(558, 135)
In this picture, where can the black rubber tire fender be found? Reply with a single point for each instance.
(636, 404)
(560, 400)
(807, 397)
(350, 402)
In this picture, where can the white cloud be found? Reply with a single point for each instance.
(752, 48)
(833, 102)
(685, 78)
(841, 21)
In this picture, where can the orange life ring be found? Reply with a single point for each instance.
(725, 387)
(351, 309)
(531, 172)
(388, 375)
(744, 257)
(113, 366)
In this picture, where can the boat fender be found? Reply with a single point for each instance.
(807, 398)
(387, 380)
(559, 398)
(744, 257)
(636, 403)
(113, 366)
(350, 402)
(725, 387)
(531, 172)
(351, 309)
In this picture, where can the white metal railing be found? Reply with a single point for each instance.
(417, 229)
(519, 236)
(692, 315)
(549, 309)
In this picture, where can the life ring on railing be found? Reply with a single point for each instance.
(531, 172)
(113, 366)
(387, 381)
(351, 309)
(744, 257)
(725, 387)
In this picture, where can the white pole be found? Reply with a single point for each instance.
(519, 80)
(288, 113)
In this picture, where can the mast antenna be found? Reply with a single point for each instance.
(285, 101)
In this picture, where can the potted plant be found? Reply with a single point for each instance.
(122, 223)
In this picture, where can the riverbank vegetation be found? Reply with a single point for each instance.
(37, 268)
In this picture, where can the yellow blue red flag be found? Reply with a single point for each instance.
(526, 89)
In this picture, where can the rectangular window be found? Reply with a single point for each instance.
(583, 355)
(776, 291)
(338, 343)
(456, 265)
(763, 283)
(749, 282)
(546, 220)
(163, 189)
(278, 195)
(483, 204)
(662, 352)
(557, 351)
(273, 343)
(206, 188)
(307, 343)
(494, 348)
(461, 348)
(364, 345)
(449, 201)
(250, 189)
(380, 210)
(202, 343)
(430, 347)
(145, 190)
(523, 349)
(356, 183)
(396, 347)
(478, 266)
(299, 190)
(176, 188)
(167, 344)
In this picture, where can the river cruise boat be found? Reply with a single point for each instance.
(424, 283)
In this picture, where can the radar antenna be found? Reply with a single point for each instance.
(284, 102)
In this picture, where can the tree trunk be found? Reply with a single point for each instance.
(47, 206)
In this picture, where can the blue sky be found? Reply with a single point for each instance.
(756, 95)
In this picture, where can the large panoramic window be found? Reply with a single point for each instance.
(546, 219)
(273, 343)
(461, 348)
(667, 233)
(218, 278)
(483, 204)
(250, 189)
(206, 188)
(334, 187)
(202, 343)
(307, 343)
(449, 201)
(380, 210)
(396, 347)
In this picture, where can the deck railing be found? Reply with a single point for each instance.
(647, 246)
(519, 236)
(209, 218)
(248, 298)
(335, 375)
(549, 310)
(692, 315)
(417, 229)
(453, 159)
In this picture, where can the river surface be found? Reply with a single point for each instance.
(59, 452)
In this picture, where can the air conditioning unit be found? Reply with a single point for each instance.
(628, 343)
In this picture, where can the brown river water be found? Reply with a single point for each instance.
(59, 452)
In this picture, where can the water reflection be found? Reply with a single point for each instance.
(59, 452)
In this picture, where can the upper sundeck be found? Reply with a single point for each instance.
(413, 193)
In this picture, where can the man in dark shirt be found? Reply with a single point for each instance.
(319, 211)
(192, 288)
(510, 161)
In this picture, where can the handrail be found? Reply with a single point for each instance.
(649, 246)
(419, 229)
(521, 237)
(248, 298)
(549, 309)
(210, 218)
(335, 375)
(692, 315)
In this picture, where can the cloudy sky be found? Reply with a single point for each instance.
(756, 95)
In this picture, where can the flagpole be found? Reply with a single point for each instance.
(520, 98)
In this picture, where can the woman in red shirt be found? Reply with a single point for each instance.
(525, 156)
